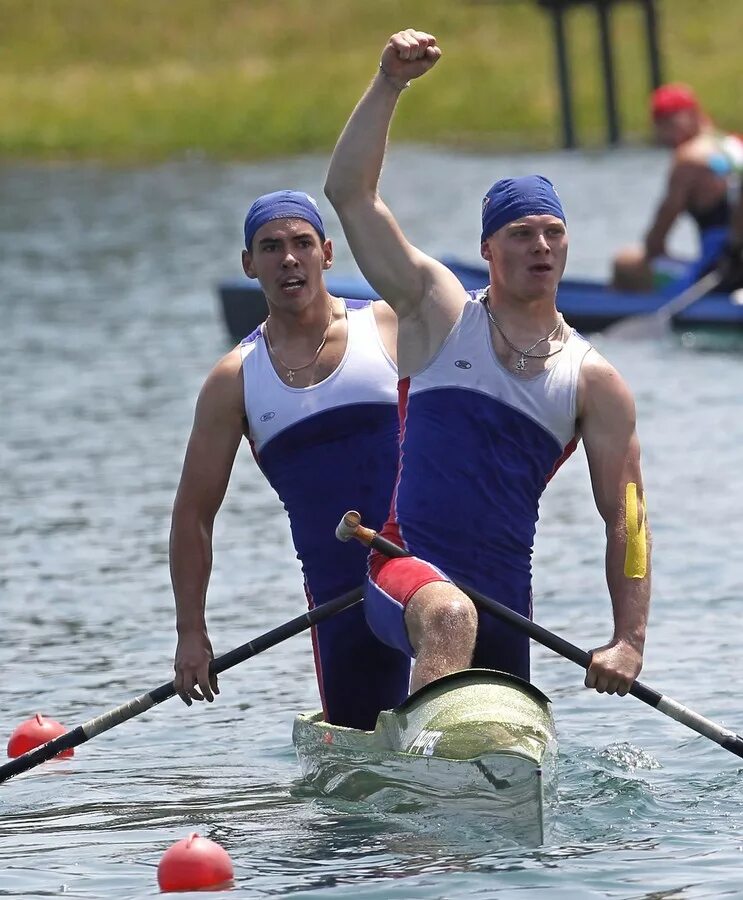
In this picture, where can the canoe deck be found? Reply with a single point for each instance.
(481, 739)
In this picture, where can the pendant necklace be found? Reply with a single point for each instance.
(292, 370)
(526, 353)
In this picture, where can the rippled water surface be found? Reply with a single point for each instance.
(109, 324)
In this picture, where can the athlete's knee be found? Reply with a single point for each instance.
(442, 613)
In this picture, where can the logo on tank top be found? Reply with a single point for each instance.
(266, 417)
(463, 364)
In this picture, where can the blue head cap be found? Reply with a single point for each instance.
(512, 198)
(282, 205)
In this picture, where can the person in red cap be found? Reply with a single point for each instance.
(704, 177)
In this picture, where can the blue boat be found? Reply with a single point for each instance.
(589, 306)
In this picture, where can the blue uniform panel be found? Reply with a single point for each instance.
(340, 459)
(327, 448)
(482, 497)
(482, 493)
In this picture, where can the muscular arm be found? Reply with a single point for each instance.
(607, 418)
(675, 202)
(399, 272)
(210, 454)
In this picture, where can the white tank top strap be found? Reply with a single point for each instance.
(365, 374)
(467, 360)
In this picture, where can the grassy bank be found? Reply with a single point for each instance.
(139, 80)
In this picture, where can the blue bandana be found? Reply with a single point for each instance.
(282, 205)
(513, 198)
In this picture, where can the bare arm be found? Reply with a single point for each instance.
(210, 454)
(399, 272)
(607, 418)
(675, 202)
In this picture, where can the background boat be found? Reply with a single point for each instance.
(589, 306)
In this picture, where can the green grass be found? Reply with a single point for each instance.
(133, 81)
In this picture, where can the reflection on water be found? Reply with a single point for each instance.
(110, 323)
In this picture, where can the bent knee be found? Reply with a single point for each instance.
(442, 613)
(631, 270)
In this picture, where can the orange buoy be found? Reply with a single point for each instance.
(194, 863)
(34, 732)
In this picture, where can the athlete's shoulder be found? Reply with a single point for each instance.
(383, 312)
(602, 385)
(695, 152)
(222, 391)
(597, 368)
(227, 369)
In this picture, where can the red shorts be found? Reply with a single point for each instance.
(390, 585)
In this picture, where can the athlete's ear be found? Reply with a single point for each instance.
(327, 254)
(486, 252)
(248, 267)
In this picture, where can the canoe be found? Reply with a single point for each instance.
(589, 306)
(479, 742)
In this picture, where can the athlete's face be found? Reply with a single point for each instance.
(676, 129)
(288, 257)
(527, 257)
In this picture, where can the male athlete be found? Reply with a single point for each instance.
(313, 389)
(704, 182)
(495, 390)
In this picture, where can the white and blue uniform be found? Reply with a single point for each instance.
(478, 445)
(325, 449)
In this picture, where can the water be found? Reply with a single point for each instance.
(110, 323)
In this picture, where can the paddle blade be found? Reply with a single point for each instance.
(649, 327)
(657, 325)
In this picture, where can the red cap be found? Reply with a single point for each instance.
(672, 98)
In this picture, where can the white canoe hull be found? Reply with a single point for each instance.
(479, 739)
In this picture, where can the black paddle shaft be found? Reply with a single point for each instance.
(669, 707)
(128, 710)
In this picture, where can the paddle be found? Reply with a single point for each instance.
(140, 704)
(650, 326)
(350, 527)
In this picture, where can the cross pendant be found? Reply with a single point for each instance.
(290, 375)
(521, 364)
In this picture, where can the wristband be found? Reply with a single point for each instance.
(398, 87)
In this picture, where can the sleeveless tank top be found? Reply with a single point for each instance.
(727, 162)
(478, 446)
(327, 448)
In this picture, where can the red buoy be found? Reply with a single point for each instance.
(34, 732)
(194, 863)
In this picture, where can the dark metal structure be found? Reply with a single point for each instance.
(558, 10)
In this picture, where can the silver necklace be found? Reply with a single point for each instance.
(292, 370)
(526, 353)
